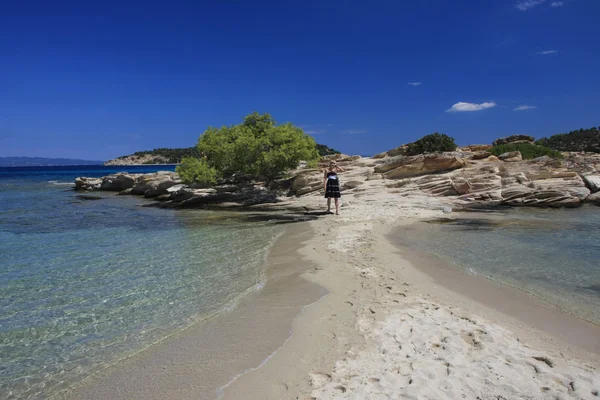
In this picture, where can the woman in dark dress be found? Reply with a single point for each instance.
(331, 183)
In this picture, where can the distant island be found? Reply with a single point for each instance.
(174, 155)
(43, 162)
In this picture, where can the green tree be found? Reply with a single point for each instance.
(194, 170)
(257, 147)
(431, 143)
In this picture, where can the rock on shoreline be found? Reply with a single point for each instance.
(467, 179)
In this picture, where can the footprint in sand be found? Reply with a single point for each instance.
(319, 379)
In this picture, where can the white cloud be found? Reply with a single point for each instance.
(525, 5)
(465, 107)
(414, 83)
(557, 4)
(547, 52)
(354, 132)
(524, 107)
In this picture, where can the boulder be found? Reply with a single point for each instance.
(480, 155)
(152, 185)
(593, 199)
(90, 184)
(117, 182)
(514, 139)
(542, 159)
(592, 182)
(404, 167)
(477, 147)
(511, 156)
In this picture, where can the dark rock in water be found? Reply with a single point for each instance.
(88, 197)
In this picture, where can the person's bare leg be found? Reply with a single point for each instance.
(337, 206)
(329, 204)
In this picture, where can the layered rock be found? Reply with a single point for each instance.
(469, 177)
(404, 167)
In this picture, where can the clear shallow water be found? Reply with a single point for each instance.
(86, 283)
(553, 254)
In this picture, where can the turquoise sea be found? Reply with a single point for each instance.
(552, 254)
(85, 283)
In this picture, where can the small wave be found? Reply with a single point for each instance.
(61, 183)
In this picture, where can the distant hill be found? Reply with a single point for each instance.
(174, 156)
(43, 162)
(581, 140)
(156, 156)
(325, 150)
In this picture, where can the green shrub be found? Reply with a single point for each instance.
(194, 170)
(528, 150)
(257, 147)
(580, 140)
(431, 143)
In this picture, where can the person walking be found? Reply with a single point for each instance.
(331, 183)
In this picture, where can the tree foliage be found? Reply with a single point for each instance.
(528, 150)
(257, 147)
(195, 170)
(578, 140)
(431, 143)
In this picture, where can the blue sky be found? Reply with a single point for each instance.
(97, 80)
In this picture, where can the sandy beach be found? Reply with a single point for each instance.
(389, 330)
(348, 314)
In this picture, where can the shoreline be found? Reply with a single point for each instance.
(349, 340)
(525, 308)
(200, 360)
(330, 345)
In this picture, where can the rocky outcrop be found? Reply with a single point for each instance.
(511, 156)
(514, 139)
(152, 185)
(480, 155)
(90, 184)
(148, 185)
(592, 182)
(404, 167)
(470, 178)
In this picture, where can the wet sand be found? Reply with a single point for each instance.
(196, 363)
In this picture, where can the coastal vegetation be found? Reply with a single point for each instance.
(431, 143)
(578, 140)
(258, 148)
(528, 151)
(196, 170)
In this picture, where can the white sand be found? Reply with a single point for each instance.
(388, 331)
